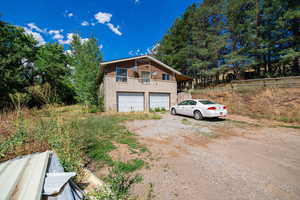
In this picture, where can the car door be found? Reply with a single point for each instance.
(180, 107)
(189, 108)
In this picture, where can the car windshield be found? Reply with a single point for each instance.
(206, 102)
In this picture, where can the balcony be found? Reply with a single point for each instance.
(139, 84)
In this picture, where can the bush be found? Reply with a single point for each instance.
(117, 187)
(120, 183)
(158, 109)
(18, 139)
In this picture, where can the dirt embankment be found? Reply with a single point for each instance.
(282, 104)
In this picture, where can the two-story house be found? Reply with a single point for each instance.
(139, 84)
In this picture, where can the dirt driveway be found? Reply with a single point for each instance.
(218, 160)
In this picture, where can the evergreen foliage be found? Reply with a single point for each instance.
(218, 36)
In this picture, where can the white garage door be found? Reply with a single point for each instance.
(128, 102)
(159, 100)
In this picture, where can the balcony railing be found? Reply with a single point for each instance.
(145, 81)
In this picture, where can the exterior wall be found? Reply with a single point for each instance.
(146, 65)
(181, 96)
(111, 87)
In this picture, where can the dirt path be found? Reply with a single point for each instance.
(218, 160)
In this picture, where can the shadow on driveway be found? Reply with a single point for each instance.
(214, 119)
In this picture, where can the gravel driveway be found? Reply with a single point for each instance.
(218, 160)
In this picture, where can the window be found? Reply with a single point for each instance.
(183, 103)
(165, 77)
(192, 103)
(145, 77)
(121, 74)
(206, 102)
(134, 68)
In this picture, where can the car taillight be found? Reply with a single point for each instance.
(224, 107)
(211, 108)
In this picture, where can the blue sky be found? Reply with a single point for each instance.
(123, 28)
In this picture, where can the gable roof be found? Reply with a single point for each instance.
(179, 75)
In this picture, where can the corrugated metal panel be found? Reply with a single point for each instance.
(23, 177)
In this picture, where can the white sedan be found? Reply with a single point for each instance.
(199, 108)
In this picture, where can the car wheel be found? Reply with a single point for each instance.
(198, 115)
(173, 111)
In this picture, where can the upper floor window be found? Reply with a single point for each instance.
(165, 76)
(145, 76)
(121, 74)
(192, 103)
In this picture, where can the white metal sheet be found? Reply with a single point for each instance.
(23, 177)
(160, 100)
(130, 102)
(55, 181)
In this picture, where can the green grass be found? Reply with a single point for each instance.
(84, 136)
(79, 139)
(130, 166)
(157, 110)
(290, 126)
(99, 133)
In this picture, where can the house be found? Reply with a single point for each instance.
(139, 84)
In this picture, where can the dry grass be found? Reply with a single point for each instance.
(282, 104)
(62, 128)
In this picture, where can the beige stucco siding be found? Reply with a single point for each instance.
(111, 87)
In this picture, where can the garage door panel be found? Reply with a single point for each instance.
(159, 100)
(129, 102)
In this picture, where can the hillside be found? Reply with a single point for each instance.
(281, 104)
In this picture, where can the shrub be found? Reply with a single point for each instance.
(10, 144)
(120, 183)
(117, 187)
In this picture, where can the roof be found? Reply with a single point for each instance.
(179, 75)
(34, 175)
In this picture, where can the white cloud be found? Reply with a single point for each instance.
(102, 17)
(152, 50)
(68, 52)
(56, 34)
(70, 14)
(136, 52)
(33, 26)
(136, 1)
(85, 23)
(83, 40)
(114, 29)
(70, 39)
(37, 36)
(101, 46)
(131, 53)
(54, 31)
